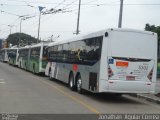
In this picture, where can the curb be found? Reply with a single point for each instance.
(147, 98)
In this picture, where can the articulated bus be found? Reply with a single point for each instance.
(4, 55)
(13, 56)
(33, 58)
(113, 60)
(23, 57)
(38, 58)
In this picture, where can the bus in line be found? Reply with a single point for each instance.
(33, 58)
(112, 60)
(38, 57)
(4, 55)
(13, 56)
(23, 57)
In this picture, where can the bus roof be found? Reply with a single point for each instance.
(13, 48)
(35, 45)
(99, 33)
(40, 44)
(25, 47)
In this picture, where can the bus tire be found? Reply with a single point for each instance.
(79, 84)
(34, 71)
(71, 82)
(118, 94)
(20, 65)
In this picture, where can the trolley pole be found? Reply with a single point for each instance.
(120, 14)
(77, 31)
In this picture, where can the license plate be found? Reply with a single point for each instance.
(130, 77)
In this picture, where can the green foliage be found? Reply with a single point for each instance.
(153, 28)
(21, 39)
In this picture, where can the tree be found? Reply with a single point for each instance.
(21, 39)
(153, 28)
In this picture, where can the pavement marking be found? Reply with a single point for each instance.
(86, 105)
(89, 107)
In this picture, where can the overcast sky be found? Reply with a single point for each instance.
(95, 15)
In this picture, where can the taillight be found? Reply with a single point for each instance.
(110, 72)
(150, 75)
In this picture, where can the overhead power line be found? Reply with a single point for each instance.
(70, 4)
(4, 4)
(92, 1)
(2, 11)
(60, 4)
(25, 1)
(83, 4)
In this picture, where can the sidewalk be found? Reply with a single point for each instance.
(148, 97)
(151, 97)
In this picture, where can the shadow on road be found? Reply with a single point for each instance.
(111, 98)
(102, 97)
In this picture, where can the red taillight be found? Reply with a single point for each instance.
(110, 72)
(150, 75)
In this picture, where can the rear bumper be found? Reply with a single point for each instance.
(116, 86)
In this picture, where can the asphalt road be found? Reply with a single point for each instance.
(25, 93)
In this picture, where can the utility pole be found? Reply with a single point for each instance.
(10, 28)
(39, 26)
(40, 10)
(79, 9)
(20, 24)
(120, 14)
(51, 37)
(22, 18)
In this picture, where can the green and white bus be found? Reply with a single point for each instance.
(34, 57)
(4, 55)
(13, 56)
(112, 60)
(23, 57)
(37, 60)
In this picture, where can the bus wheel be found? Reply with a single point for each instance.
(34, 71)
(71, 82)
(118, 94)
(79, 84)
